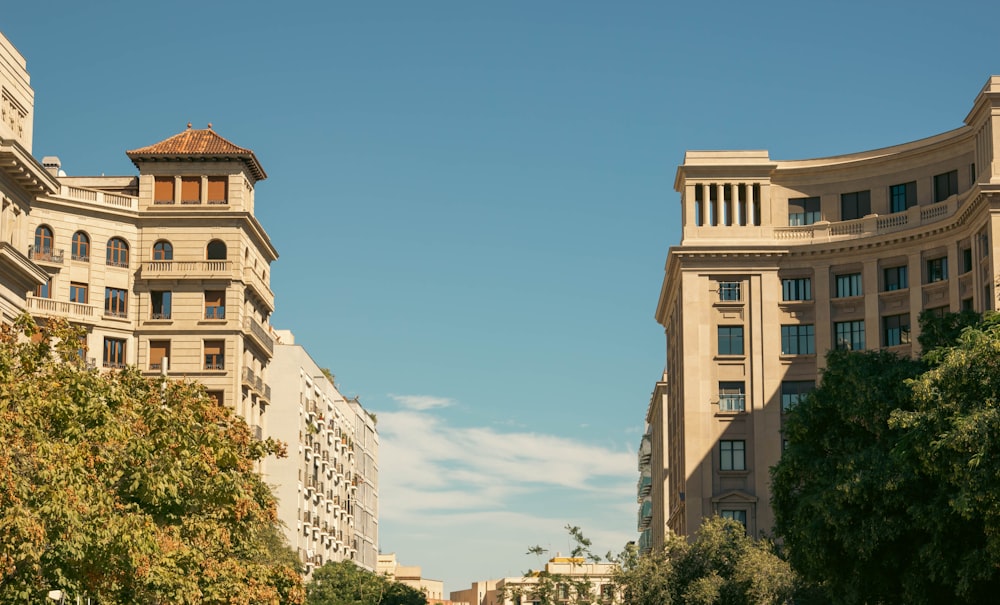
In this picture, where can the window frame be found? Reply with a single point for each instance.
(937, 269)
(165, 302)
(117, 253)
(900, 278)
(116, 302)
(855, 205)
(945, 185)
(902, 196)
(218, 310)
(163, 250)
(796, 337)
(732, 396)
(80, 247)
(848, 285)
(896, 330)
(793, 391)
(730, 291)
(733, 335)
(732, 455)
(811, 211)
(796, 289)
(75, 288)
(115, 353)
(849, 335)
(213, 360)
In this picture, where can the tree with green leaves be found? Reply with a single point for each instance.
(128, 489)
(344, 583)
(888, 490)
(721, 565)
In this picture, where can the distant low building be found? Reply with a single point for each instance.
(411, 576)
(566, 573)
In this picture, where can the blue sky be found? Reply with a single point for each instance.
(473, 201)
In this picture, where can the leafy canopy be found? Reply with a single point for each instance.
(128, 489)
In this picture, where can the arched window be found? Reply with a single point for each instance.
(216, 250)
(162, 250)
(81, 246)
(117, 252)
(43, 240)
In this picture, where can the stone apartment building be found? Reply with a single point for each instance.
(781, 261)
(169, 270)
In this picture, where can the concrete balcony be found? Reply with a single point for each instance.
(197, 269)
(256, 283)
(99, 198)
(258, 334)
(72, 311)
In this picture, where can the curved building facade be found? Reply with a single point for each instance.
(781, 261)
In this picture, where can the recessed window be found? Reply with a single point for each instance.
(215, 355)
(191, 190)
(78, 293)
(43, 240)
(732, 396)
(847, 285)
(740, 516)
(163, 190)
(855, 205)
(81, 246)
(160, 303)
(799, 339)
(732, 455)
(803, 211)
(730, 340)
(850, 335)
(159, 354)
(217, 193)
(117, 252)
(44, 290)
(215, 304)
(945, 185)
(163, 250)
(114, 353)
(794, 391)
(937, 270)
(896, 330)
(216, 250)
(966, 260)
(895, 278)
(902, 196)
(115, 302)
(798, 288)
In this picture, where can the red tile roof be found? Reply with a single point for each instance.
(198, 144)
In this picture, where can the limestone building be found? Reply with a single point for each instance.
(782, 260)
(327, 486)
(168, 270)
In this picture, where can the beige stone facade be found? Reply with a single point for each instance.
(781, 261)
(521, 590)
(327, 486)
(411, 575)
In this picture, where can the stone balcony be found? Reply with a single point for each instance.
(197, 269)
(72, 311)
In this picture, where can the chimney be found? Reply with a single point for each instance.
(52, 164)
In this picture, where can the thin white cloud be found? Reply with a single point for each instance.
(421, 402)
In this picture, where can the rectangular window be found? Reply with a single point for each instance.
(848, 285)
(218, 397)
(855, 205)
(217, 190)
(798, 339)
(798, 288)
(740, 516)
(732, 396)
(114, 353)
(78, 293)
(902, 196)
(945, 185)
(966, 260)
(794, 391)
(729, 290)
(937, 270)
(803, 211)
(159, 350)
(215, 304)
(850, 335)
(895, 278)
(215, 355)
(163, 190)
(730, 340)
(732, 455)
(191, 190)
(896, 330)
(44, 290)
(159, 303)
(115, 302)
